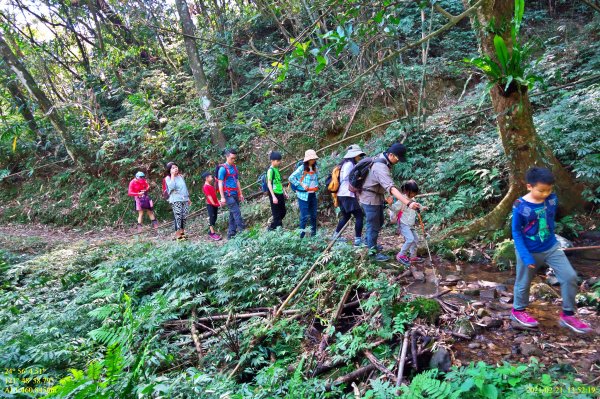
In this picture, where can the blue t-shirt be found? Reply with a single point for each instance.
(533, 227)
(231, 181)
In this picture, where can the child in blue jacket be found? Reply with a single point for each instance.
(535, 245)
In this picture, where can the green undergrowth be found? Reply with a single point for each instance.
(95, 320)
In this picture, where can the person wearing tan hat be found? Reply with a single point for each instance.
(306, 179)
(349, 205)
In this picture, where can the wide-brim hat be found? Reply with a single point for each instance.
(354, 151)
(310, 154)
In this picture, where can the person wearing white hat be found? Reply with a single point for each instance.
(306, 179)
(349, 205)
(138, 189)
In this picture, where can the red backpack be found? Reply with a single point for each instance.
(227, 174)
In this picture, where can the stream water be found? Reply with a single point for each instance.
(552, 344)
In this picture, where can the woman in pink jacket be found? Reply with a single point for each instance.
(138, 189)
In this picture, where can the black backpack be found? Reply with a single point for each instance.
(359, 173)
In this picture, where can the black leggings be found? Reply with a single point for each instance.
(358, 226)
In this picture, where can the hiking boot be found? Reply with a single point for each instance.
(358, 242)
(403, 259)
(139, 228)
(574, 324)
(214, 236)
(416, 259)
(381, 257)
(523, 318)
(155, 224)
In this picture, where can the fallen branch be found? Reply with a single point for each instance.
(200, 320)
(307, 274)
(375, 362)
(356, 374)
(195, 338)
(413, 349)
(427, 194)
(402, 360)
(288, 299)
(581, 248)
(324, 340)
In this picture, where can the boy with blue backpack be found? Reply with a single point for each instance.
(535, 245)
(274, 187)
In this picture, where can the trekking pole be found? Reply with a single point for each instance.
(435, 273)
(424, 234)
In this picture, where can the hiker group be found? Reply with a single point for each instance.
(361, 186)
(358, 184)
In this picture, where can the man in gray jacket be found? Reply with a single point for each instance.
(378, 183)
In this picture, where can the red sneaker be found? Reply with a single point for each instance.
(523, 318)
(403, 259)
(574, 324)
(416, 259)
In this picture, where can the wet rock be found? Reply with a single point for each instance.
(543, 291)
(501, 288)
(461, 285)
(590, 235)
(552, 280)
(417, 275)
(450, 279)
(461, 253)
(551, 277)
(592, 281)
(506, 299)
(465, 327)
(473, 345)
(530, 350)
(481, 312)
(499, 306)
(441, 360)
(477, 256)
(520, 339)
(510, 281)
(563, 242)
(477, 304)
(489, 294)
(489, 322)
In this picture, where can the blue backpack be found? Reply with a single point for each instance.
(294, 187)
(262, 180)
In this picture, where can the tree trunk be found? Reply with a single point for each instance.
(98, 28)
(117, 22)
(20, 101)
(522, 146)
(43, 101)
(188, 29)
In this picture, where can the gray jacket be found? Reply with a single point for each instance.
(177, 189)
(378, 182)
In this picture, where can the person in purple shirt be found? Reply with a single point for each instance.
(535, 245)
